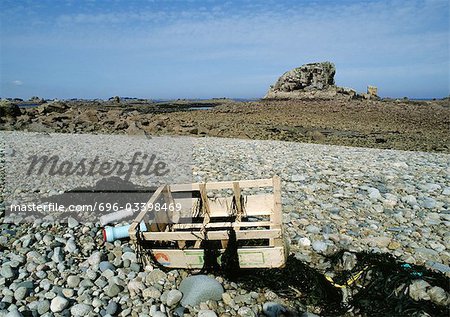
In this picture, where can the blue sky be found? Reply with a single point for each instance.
(202, 49)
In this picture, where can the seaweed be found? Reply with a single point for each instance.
(381, 289)
(297, 281)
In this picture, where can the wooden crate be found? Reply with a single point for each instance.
(175, 237)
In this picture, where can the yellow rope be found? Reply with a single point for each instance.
(349, 282)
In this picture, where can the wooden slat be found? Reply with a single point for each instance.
(205, 212)
(181, 226)
(222, 185)
(161, 219)
(276, 217)
(248, 257)
(256, 205)
(237, 198)
(140, 216)
(277, 214)
(174, 215)
(212, 235)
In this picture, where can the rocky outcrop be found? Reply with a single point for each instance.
(8, 111)
(309, 76)
(52, 107)
(36, 100)
(315, 80)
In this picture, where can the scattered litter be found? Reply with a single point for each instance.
(115, 216)
(115, 233)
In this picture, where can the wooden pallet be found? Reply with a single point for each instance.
(175, 237)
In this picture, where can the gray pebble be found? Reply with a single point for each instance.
(173, 297)
(312, 229)
(246, 312)
(80, 310)
(155, 276)
(112, 290)
(105, 265)
(72, 222)
(20, 293)
(6, 271)
(319, 246)
(57, 256)
(151, 292)
(43, 307)
(131, 256)
(71, 246)
(272, 309)
(206, 313)
(179, 311)
(95, 258)
(112, 307)
(29, 285)
(73, 281)
(428, 203)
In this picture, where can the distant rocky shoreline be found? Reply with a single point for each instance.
(386, 124)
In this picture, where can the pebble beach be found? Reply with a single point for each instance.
(333, 197)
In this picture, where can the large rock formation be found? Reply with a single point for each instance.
(315, 80)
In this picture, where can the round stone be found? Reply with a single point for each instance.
(105, 265)
(131, 256)
(43, 307)
(304, 242)
(151, 292)
(58, 255)
(20, 293)
(73, 281)
(312, 229)
(319, 246)
(246, 312)
(429, 203)
(70, 246)
(200, 288)
(58, 304)
(112, 290)
(155, 276)
(7, 272)
(173, 297)
(226, 298)
(94, 258)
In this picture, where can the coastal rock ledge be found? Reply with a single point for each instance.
(314, 80)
